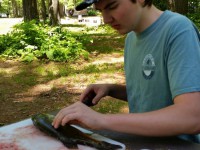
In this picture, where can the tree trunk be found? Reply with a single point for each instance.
(15, 8)
(171, 5)
(181, 6)
(30, 10)
(44, 10)
(54, 12)
(61, 10)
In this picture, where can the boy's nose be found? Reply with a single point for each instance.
(107, 18)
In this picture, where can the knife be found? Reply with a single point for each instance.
(88, 100)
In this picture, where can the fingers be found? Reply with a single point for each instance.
(64, 116)
(71, 114)
(89, 99)
(68, 118)
(92, 95)
(85, 94)
(97, 98)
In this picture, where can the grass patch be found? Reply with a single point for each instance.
(45, 86)
(106, 44)
(73, 25)
(111, 106)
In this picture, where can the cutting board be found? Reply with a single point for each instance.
(24, 135)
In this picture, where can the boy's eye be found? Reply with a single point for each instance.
(113, 7)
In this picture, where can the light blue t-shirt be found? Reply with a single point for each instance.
(162, 62)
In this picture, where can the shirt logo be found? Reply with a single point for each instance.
(148, 67)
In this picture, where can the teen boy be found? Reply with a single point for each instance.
(162, 67)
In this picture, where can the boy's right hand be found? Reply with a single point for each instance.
(93, 94)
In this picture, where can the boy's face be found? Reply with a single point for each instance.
(122, 15)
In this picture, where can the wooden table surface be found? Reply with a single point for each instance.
(133, 142)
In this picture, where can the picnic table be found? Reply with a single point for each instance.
(134, 142)
(24, 134)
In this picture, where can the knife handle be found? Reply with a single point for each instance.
(89, 98)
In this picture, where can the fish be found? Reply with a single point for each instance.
(69, 135)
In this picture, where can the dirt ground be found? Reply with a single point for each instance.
(19, 101)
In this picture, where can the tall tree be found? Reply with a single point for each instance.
(30, 10)
(15, 8)
(44, 10)
(171, 5)
(54, 12)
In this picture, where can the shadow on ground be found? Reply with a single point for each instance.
(40, 87)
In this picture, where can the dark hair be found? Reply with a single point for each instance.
(146, 3)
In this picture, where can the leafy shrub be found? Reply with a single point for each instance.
(161, 4)
(106, 29)
(195, 18)
(92, 12)
(30, 41)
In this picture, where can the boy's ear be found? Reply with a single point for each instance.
(141, 2)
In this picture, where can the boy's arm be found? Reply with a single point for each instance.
(181, 118)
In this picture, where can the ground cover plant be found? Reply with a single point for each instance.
(44, 85)
(31, 41)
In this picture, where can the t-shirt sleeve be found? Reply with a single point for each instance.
(183, 62)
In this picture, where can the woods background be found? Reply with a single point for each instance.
(56, 9)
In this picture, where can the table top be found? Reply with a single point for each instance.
(24, 135)
(134, 142)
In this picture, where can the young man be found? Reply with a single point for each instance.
(162, 59)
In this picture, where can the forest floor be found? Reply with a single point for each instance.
(24, 93)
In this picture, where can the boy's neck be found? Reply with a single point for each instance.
(149, 16)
